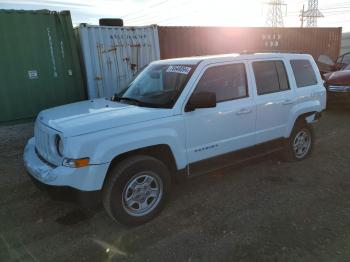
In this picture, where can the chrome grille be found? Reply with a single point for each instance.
(44, 160)
(43, 143)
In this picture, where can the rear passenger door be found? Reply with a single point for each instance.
(212, 132)
(274, 99)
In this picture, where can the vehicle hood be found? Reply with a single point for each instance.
(95, 115)
(338, 78)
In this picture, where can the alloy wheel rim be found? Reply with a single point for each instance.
(301, 144)
(142, 194)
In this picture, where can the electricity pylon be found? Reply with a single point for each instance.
(275, 15)
(312, 13)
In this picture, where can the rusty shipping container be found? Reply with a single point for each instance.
(113, 55)
(191, 41)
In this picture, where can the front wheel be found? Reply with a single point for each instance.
(136, 190)
(300, 143)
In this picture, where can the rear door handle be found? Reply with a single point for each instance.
(243, 111)
(288, 102)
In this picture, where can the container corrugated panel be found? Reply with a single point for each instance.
(345, 43)
(114, 55)
(39, 64)
(191, 41)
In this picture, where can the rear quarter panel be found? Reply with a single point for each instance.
(307, 99)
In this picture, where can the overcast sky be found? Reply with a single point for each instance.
(187, 12)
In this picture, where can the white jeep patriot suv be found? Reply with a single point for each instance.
(178, 116)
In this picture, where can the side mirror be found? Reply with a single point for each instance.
(201, 100)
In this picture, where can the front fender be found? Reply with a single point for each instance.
(104, 146)
(110, 148)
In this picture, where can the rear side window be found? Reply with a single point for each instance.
(303, 72)
(228, 82)
(270, 77)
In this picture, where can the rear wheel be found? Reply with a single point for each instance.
(300, 143)
(136, 190)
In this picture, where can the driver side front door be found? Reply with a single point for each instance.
(212, 133)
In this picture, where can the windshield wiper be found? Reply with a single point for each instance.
(119, 98)
(135, 101)
(138, 102)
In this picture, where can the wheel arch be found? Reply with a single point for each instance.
(303, 117)
(161, 152)
(300, 119)
(300, 112)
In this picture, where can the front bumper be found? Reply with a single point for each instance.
(69, 194)
(89, 178)
(338, 89)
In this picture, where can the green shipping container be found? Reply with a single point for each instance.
(39, 63)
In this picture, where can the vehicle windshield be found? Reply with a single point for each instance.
(156, 86)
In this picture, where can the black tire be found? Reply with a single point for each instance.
(120, 181)
(289, 153)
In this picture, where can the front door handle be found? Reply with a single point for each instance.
(243, 111)
(288, 102)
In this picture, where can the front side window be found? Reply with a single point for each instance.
(228, 82)
(339, 59)
(303, 72)
(270, 77)
(157, 86)
(346, 59)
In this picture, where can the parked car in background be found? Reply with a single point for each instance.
(183, 116)
(337, 83)
(338, 87)
(326, 64)
(341, 62)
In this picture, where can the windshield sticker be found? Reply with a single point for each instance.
(179, 69)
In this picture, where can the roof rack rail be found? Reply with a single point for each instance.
(247, 52)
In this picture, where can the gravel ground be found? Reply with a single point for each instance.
(266, 210)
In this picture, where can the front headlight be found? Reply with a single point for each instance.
(59, 145)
